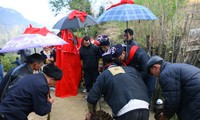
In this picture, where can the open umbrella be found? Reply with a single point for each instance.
(76, 19)
(32, 38)
(126, 11)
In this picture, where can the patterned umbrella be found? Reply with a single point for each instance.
(126, 11)
(32, 38)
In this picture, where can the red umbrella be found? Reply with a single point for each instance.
(42, 31)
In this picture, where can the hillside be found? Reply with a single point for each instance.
(12, 17)
(12, 23)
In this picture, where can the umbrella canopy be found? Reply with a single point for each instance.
(32, 38)
(126, 10)
(76, 19)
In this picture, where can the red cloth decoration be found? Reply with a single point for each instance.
(122, 2)
(68, 60)
(42, 31)
(77, 13)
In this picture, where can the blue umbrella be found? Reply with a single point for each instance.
(127, 12)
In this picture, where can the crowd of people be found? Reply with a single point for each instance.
(126, 81)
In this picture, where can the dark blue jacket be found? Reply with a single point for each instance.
(139, 61)
(181, 89)
(17, 73)
(131, 42)
(28, 95)
(118, 89)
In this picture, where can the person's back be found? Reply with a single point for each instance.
(26, 88)
(119, 85)
(30, 94)
(185, 83)
(33, 62)
(4, 81)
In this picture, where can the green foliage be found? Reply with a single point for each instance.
(93, 31)
(90, 31)
(7, 60)
(59, 5)
(82, 5)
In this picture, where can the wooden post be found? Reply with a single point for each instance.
(148, 46)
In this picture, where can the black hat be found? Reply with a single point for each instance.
(86, 38)
(117, 50)
(154, 60)
(107, 58)
(103, 40)
(53, 71)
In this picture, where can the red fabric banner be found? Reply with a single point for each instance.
(68, 59)
(78, 14)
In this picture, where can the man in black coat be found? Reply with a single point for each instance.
(89, 54)
(30, 94)
(180, 84)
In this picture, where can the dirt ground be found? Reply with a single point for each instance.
(70, 108)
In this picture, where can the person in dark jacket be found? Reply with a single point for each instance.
(33, 63)
(138, 61)
(17, 61)
(89, 54)
(128, 37)
(124, 91)
(23, 54)
(105, 46)
(129, 42)
(104, 42)
(180, 85)
(30, 94)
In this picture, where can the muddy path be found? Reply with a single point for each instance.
(70, 108)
